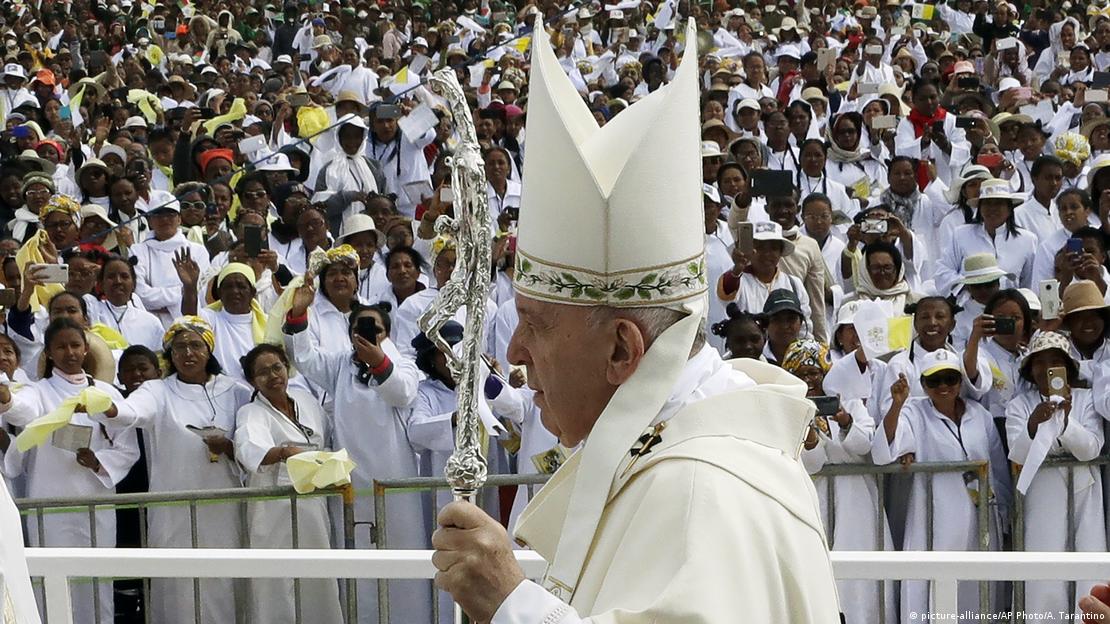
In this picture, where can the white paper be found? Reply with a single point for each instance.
(825, 58)
(469, 24)
(417, 64)
(207, 432)
(417, 122)
(624, 5)
(72, 438)
(1094, 96)
(665, 16)
(477, 72)
(867, 88)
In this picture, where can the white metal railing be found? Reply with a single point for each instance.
(943, 569)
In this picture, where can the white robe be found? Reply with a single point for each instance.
(366, 425)
(137, 325)
(1046, 501)
(932, 437)
(15, 584)
(1014, 253)
(851, 519)
(156, 283)
(719, 519)
(178, 459)
(259, 428)
(53, 472)
(234, 338)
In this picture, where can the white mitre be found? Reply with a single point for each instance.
(611, 215)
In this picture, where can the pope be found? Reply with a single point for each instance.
(686, 501)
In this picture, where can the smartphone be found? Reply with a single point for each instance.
(252, 144)
(446, 194)
(1005, 325)
(867, 88)
(965, 122)
(1006, 44)
(7, 298)
(825, 58)
(367, 328)
(1095, 96)
(873, 49)
(826, 405)
(1049, 295)
(884, 122)
(821, 424)
(52, 273)
(252, 240)
(206, 113)
(747, 238)
(1101, 80)
(298, 100)
(1058, 382)
(970, 83)
(1074, 245)
(514, 212)
(283, 275)
(873, 226)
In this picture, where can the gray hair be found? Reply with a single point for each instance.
(652, 321)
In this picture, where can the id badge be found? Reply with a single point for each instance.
(550, 460)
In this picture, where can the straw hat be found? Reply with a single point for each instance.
(1082, 295)
(1047, 341)
(982, 268)
(994, 188)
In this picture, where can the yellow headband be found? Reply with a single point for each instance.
(195, 324)
(236, 268)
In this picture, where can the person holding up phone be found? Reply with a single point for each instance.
(842, 434)
(370, 381)
(1042, 422)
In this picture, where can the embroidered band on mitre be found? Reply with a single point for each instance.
(611, 215)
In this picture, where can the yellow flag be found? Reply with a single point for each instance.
(312, 470)
(521, 45)
(95, 401)
(899, 330)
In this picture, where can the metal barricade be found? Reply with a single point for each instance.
(36, 509)
(832, 472)
(1018, 521)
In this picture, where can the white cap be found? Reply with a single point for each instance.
(275, 162)
(710, 192)
(284, 58)
(789, 50)
(1008, 83)
(771, 231)
(135, 122)
(748, 103)
(113, 149)
(936, 361)
(710, 149)
(15, 69)
(601, 200)
(358, 223)
(420, 41)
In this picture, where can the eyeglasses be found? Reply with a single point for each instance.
(951, 378)
(193, 346)
(274, 370)
(58, 225)
(886, 269)
(38, 193)
(254, 194)
(193, 205)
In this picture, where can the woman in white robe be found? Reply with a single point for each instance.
(55, 472)
(850, 517)
(369, 384)
(941, 426)
(188, 421)
(117, 309)
(1038, 427)
(278, 423)
(236, 316)
(158, 285)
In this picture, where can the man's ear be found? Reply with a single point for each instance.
(628, 349)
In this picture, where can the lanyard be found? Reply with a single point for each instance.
(117, 319)
(391, 150)
(957, 432)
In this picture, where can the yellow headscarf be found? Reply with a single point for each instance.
(1073, 147)
(31, 251)
(311, 121)
(258, 315)
(319, 259)
(195, 324)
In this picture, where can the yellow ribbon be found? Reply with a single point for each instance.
(237, 112)
(148, 104)
(31, 253)
(111, 337)
(95, 401)
(312, 470)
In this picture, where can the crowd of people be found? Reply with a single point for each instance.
(222, 218)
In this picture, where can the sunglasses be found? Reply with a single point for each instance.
(950, 378)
